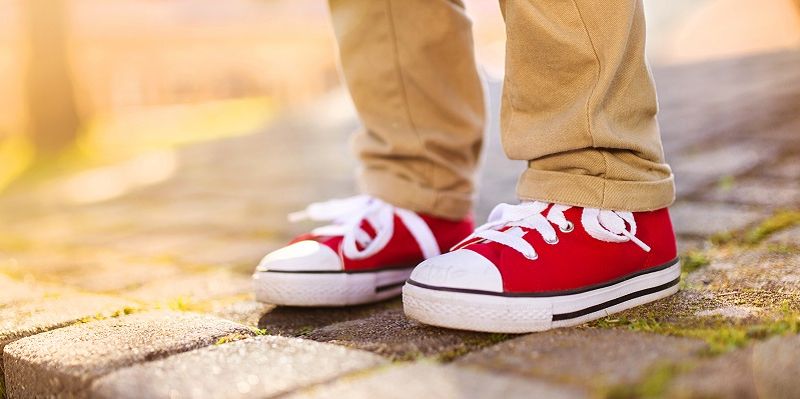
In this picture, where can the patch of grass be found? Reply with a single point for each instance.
(231, 338)
(694, 260)
(720, 335)
(776, 222)
(726, 183)
(653, 385)
(259, 331)
(101, 316)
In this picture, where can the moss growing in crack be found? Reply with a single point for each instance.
(776, 222)
(231, 338)
(472, 344)
(694, 260)
(653, 384)
(259, 331)
(719, 333)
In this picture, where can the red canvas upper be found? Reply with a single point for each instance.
(578, 260)
(402, 250)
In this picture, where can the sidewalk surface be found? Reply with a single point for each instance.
(147, 294)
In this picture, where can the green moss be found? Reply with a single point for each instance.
(259, 331)
(654, 384)
(231, 338)
(694, 260)
(719, 334)
(726, 182)
(776, 222)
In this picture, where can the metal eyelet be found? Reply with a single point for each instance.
(534, 257)
(569, 228)
(552, 242)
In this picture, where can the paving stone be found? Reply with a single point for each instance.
(790, 237)
(117, 275)
(706, 219)
(702, 170)
(258, 367)
(392, 334)
(595, 358)
(763, 192)
(65, 361)
(246, 252)
(53, 310)
(753, 277)
(726, 376)
(192, 287)
(425, 380)
(247, 311)
(776, 367)
(13, 290)
(290, 320)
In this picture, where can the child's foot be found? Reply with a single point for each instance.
(365, 255)
(537, 266)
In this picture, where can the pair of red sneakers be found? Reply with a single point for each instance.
(532, 267)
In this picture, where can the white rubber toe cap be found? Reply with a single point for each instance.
(302, 256)
(463, 269)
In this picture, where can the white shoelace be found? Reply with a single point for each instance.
(603, 225)
(347, 215)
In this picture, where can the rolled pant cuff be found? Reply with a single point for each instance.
(595, 192)
(409, 195)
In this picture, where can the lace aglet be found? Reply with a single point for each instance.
(636, 241)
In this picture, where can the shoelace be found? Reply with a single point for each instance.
(603, 225)
(347, 215)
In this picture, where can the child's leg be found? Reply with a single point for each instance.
(411, 72)
(580, 106)
(596, 238)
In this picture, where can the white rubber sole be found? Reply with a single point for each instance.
(328, 288)
(520, 314)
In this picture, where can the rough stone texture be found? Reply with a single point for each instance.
(788, 237)
(754, 277)
(704, 219)
(391, 334)
(257, 367)
(726, 376)
(701, 170)
(192, 287)
(12, 290)
(768, 193)
(776, 367)
(25, 318)
(247, 312)
(425, 380)
(587, 357)
(289, 320)
(64, 362)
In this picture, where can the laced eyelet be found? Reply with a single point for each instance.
(551, 242)
(568, 228)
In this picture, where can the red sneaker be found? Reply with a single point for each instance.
(364, 256)
(588, 263)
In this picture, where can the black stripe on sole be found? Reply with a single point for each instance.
(385, 269)
(549, 293)
(615, 301)
(387, 287)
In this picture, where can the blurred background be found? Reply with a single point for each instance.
(85, 83)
